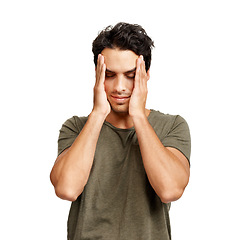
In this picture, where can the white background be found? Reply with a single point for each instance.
(47, 76)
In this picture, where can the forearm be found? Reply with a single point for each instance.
(72, 168)
(166, 174)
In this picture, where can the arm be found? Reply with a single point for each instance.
(167, 168)
(71, 170)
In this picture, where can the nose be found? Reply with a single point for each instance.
(119, 84)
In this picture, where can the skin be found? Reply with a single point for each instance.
(120, 94)
(122, 71)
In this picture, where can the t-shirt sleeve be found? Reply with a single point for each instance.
(68, 133)
(179, 137)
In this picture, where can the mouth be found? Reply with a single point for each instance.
(120, 99)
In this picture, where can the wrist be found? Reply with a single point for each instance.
(139, 113)
(97, 115)
(141, 116)
(100, 112)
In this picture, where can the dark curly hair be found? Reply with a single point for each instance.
(124, 36)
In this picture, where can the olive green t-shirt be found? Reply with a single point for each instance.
(118, 201)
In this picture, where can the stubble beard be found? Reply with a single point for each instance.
(120, 109)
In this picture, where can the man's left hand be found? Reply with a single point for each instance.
(140, 91)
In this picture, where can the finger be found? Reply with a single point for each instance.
(143, 65)
(137, 74)
(100, 63)
(102, 75)
(97, 67)
(143, 72)
(141, 69)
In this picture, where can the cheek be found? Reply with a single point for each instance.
(106, 85)
(131, 85)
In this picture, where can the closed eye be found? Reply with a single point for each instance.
(110, 75)
(130, 76)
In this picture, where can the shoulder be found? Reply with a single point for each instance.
(169, 126)
(159, 119)
(69, 131)
(75, 123)
(172, 130)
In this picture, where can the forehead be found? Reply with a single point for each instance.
(119, 60)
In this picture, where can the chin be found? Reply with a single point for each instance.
(120, 109)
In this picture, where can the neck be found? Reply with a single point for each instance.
(122, 120)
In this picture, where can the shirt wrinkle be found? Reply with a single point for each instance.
(118, 201)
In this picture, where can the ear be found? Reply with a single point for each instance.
(148, 74)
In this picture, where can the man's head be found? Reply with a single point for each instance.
(121, 47)
(124, 36)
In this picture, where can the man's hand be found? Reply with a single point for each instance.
(101, 104)
(72, 168)
(140, 91)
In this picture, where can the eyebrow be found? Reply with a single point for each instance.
(127, 72)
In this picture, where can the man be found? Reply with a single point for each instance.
(123, 164)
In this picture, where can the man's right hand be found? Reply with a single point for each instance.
(101, 104)
(71, 170)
